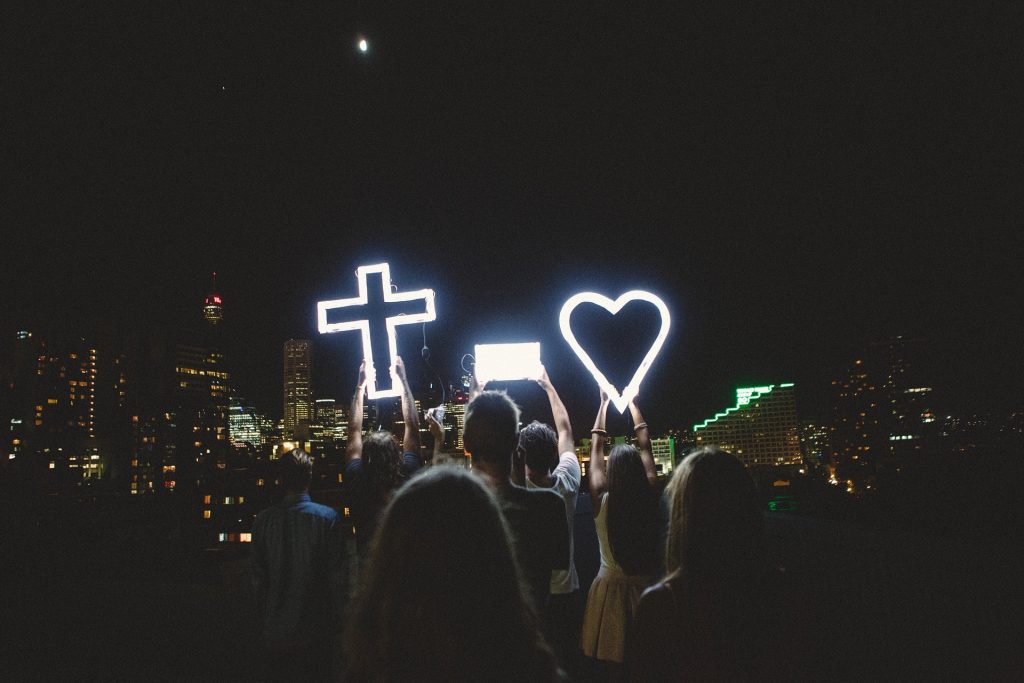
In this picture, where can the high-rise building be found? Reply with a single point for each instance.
(244, 424)
(179, 409)
(455, 423)
(663, 450)
(814, 443)
(213, 305)
(884, 412)
(326, 413)
(298, 386)
(63, 410)
(910, 399)
(182, 429)
(760, 430)
(857, 438)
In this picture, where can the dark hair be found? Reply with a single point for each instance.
(716, 528)
(382, 463)
(491, 426)
(633, 513)
(442, 597)
(295, 468)
(540, 446)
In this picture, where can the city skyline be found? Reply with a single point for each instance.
(336, 370)
(681, 157)
(825, 197)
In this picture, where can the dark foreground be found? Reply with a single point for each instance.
(91, 599)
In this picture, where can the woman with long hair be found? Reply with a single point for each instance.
(626, 515)
(374, 464)
(719, 592)
(442, 597)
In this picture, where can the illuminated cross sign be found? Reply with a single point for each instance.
(620, 401)
(356, 306)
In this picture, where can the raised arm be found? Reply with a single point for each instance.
(475, 387)
(411, 440)
(643, 441)
(437, 431)
(597, 476)
(355, 418)
(562, 424)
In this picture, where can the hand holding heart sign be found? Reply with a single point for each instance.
(619, 400)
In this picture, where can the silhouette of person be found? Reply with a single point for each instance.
(299, 576)
(442, 596)
(375, 465)
(628, 520)
(551, 463)
(718, 599)
(535, 516)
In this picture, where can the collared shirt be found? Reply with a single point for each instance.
(299, 570)
(565, 481)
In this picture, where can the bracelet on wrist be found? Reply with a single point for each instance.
(600, 432)
(642, 425)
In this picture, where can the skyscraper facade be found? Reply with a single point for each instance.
(663, 450)
(244, 424)
(455, 422)
(298, 385)
(760, 430)
(179, 408)
(57, 407)
(885, 412)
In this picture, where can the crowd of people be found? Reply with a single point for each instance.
(468, 574)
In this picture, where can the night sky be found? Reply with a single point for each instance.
(794, 180)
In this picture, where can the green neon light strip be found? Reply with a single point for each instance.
(744, 395)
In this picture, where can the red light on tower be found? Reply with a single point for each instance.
(212, 305)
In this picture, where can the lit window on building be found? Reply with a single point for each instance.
(206, 514)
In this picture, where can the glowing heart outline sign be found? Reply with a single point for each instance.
(620, 401)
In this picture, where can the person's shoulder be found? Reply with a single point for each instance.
(568, 469)
(540, 497)
(411, 462)
(353, 466)
(543, 494)
(321, 510)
